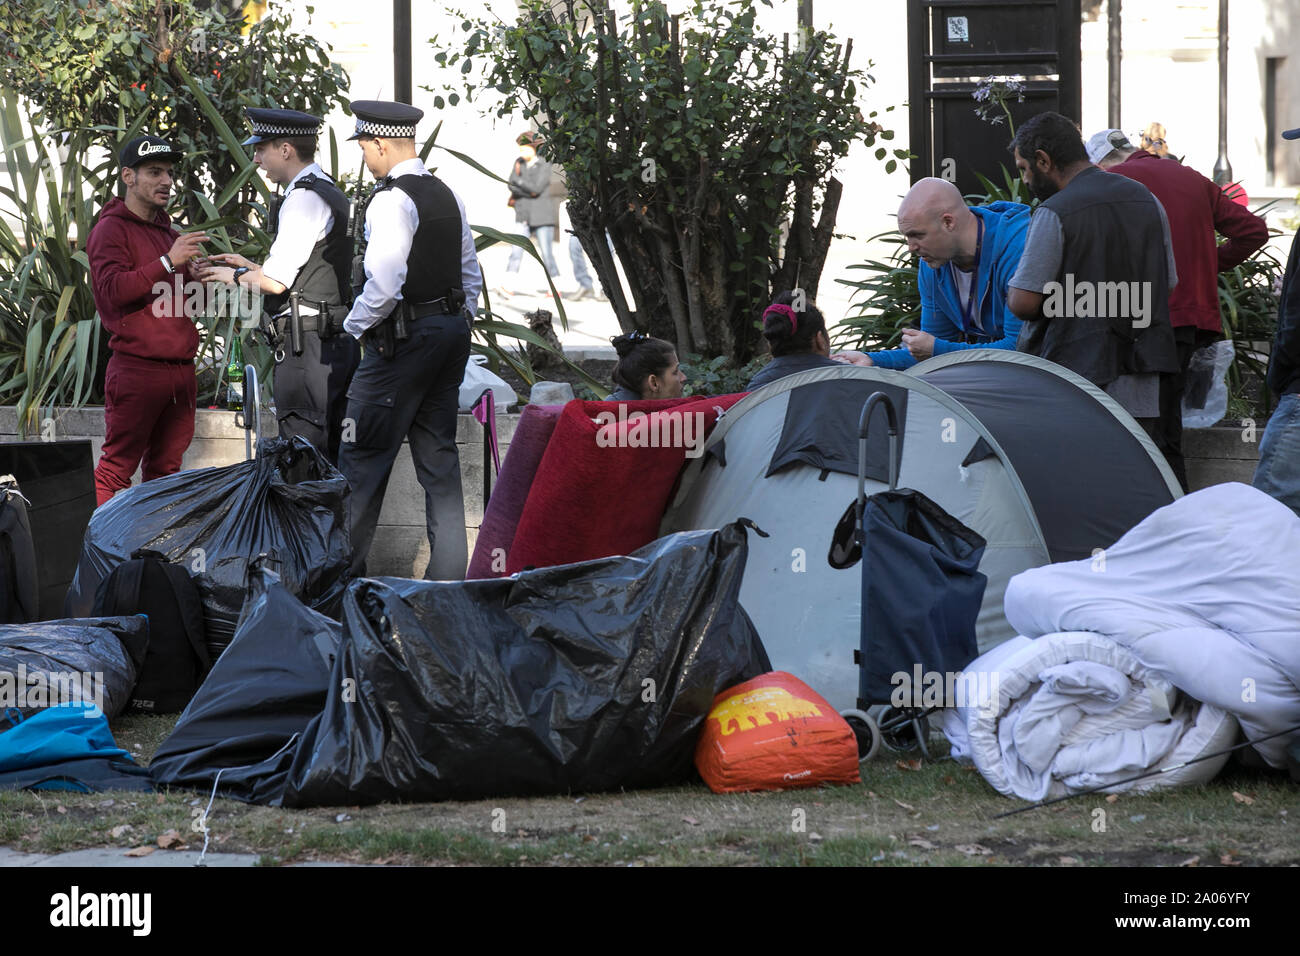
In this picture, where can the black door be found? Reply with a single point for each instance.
(954, 45)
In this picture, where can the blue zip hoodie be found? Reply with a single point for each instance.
(1005, 225)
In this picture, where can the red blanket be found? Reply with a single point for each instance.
(607, 476)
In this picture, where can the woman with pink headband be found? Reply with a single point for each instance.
(798, 340)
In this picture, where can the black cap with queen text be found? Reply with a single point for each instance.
(144, 148)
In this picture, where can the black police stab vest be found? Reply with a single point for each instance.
(325, 277)
(433, 265)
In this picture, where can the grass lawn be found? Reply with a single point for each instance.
(939, 814)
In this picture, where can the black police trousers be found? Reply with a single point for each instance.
(415, 394)
(311, 389)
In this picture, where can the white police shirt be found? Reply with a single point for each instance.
(391, 221)
(305, 219)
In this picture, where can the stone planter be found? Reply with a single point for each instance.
(1220, 454)
(400, 547)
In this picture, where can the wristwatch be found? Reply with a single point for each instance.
(239, 272)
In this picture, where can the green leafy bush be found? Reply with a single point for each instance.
(84, 65)
(719, 375)
(49, 332)
(1248, 303)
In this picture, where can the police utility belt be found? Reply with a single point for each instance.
(302, 317)
(384, 336)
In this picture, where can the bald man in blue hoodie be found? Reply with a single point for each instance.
(969, 254)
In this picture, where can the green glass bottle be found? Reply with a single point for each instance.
(235, 377)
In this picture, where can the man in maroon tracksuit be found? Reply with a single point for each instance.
(1196, 209)
(149, 388)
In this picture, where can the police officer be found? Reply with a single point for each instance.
(306, 280)
(411, 315)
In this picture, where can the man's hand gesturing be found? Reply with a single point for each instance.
(186, 248)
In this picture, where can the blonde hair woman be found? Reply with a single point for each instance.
(1153, 140)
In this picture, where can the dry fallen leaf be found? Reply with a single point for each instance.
(60, 809)
(139, 851)
(1242, 798)
(691, 820)
(116, 832)
(913, 764)
(973, 849)
(949, 781)
(1113, 798)
(170, 839)
(161, 799)
(873, 795)
(1190, 861)
(1067, 860)
(905, 806)
(1228, 859)
(923, 844)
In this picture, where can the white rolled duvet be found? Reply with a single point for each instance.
(1204, 592)
(1071, 711)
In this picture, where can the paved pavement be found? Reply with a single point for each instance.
(117, 857)
(592, 323)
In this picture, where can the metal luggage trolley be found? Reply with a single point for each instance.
(252, 426)
(921, 595)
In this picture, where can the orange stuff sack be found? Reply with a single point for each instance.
(774, 732)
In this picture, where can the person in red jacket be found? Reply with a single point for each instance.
(1196, 209)
(138, 269)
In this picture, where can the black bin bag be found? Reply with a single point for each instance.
(259, 698)
(289, 502)
(580, 677)
(58, 662)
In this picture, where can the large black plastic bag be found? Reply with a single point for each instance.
(588, 676)
(263, 692)
(289, 501)
(56, 654)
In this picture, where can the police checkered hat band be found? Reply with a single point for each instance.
(268, 124)
(264, 129)
(367, 128)
(385, 118)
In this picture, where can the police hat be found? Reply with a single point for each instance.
(276, 124)
(147, 147)
(385, 118)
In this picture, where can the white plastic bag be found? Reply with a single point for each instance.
(1205, 394)
(478, 379)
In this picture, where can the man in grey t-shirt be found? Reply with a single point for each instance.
(1138, 392)
(1093, 284)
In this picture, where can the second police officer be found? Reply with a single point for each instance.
(410, 314)
(305, 279)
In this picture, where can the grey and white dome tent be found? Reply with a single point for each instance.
(1039, 462)
(1088, 481)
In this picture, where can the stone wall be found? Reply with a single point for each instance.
(400, 547)
(1216, 455)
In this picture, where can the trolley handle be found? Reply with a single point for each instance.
(254, 425)
(876, 398)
